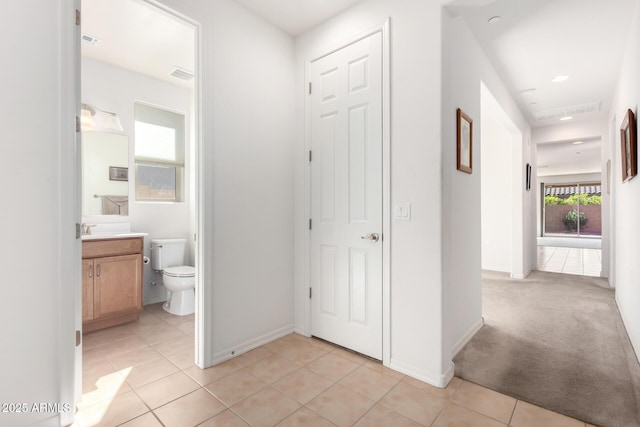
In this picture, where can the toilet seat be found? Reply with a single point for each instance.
(180, 271)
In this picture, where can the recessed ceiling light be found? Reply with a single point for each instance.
(529, 91)
(578, 152)
(494, 19)
(560, 79)
(578, 142)
(565, 118)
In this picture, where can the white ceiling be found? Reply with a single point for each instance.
(534, 41)
(564, 158)
(138, 37)
(297, 16)
(537, 40)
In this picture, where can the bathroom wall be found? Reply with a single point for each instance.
(115, 89)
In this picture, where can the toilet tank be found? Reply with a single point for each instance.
(167, 253)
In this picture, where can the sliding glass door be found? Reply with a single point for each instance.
(572, 210)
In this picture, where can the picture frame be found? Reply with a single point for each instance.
(464, 139)
(628, 146)
(118, 173)
(527, 172)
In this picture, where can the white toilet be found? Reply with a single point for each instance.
(167, 255)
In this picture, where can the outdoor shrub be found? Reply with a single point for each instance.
(553, 201)
(571, 220)
(572, 200)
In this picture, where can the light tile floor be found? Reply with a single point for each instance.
(142, 374)
(581, 261)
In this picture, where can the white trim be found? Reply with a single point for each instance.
(439, 381)
(251, 344)
(70, 269)
(386, 192)
(466, 337)
(304, 328)
(635, 346)
(204, 271)
(517, 276)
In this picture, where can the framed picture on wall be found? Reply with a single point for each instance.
(628, 146)
(118, 173)
(464, 142)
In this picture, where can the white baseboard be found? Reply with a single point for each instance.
(246, 346)
(466, 338)
(517, 276)
(635, 346)
(301, 331)
(438, 380)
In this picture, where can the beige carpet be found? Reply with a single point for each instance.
(556, 341)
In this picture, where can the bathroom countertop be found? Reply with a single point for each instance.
(115, 235)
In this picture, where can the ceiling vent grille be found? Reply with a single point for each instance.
(573, 111)
(89, 40)
(183, 74)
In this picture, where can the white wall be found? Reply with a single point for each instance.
(496, 195)
(416, 254)
(466, 68)
(38, 215)
(117, 90)
(247, 168)
(626, 201)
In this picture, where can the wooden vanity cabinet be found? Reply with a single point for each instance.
(111, 282)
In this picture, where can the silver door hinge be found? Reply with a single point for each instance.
(310, 292)
(78, 127)
(310, 88)
(195, 237)
(77, 17)
(78, 338)
(310, 224)
(78, 231)
(310, 155)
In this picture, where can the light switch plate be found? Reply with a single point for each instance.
(402, 211)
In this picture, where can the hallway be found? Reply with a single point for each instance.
(558, 341)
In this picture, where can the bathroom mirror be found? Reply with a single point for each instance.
(105, 169)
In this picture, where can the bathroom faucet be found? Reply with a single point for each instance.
(86, 229)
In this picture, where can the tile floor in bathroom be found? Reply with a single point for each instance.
(142, 374)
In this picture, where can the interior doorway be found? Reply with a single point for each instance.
(124, 68)
(502, 199)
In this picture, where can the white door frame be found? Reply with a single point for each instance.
(386, 187)
(204, 305)
(70, 290)
(70, 302)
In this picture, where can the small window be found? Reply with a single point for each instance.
(159, 154)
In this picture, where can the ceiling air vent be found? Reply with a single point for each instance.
(89, 40)
(183, 74)
(573, 111)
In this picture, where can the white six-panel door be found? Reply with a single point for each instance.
(346, 196)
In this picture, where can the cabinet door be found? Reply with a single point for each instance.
(88, 272)
(117, 285)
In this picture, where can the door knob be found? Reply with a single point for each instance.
(374, 237)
